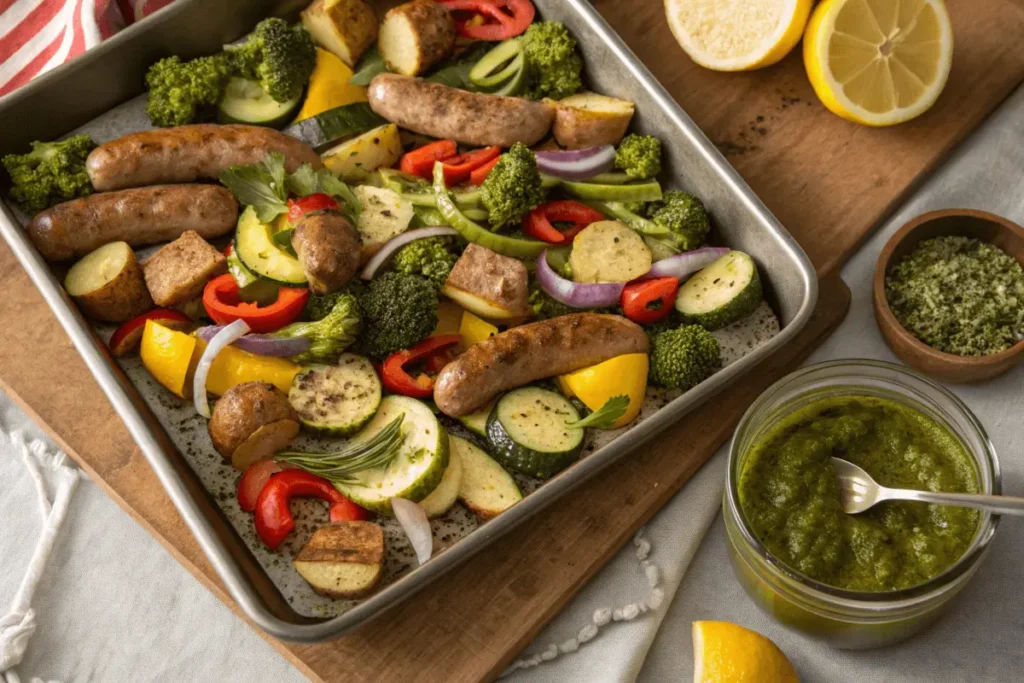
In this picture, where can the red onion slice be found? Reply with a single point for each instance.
(685, 264)
(577, 164)
(224, 338)
(261, 344)
(396, 243)
(416, 526)
(576, 294)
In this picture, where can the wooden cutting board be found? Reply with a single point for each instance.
(829, 181)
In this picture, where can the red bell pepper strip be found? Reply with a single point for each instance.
(537, 223)
(397, 379)
(458, 169)
(126, 338)
(420, 161)
(252, 482)
(479, 174)
(504, 25)
(274, 520)
(297, 208)
(649, 301)
(222, 304)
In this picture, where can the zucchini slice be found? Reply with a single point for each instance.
(527, 432)
(336, 399)
(245, 101)
(476, 421)
(486, 488)
(721, 293)
(416, 470)
(444, 496)
(255, 247)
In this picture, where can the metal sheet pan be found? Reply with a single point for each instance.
(113, 73)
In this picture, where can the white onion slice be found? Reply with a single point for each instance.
(416, 526)
(227, 336)
(576, 294)
(685, 264)
(577, 164)
(396, 243)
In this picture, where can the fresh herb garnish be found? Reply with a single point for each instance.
(265, 186)
(605, 416)
(339, 466)
(261, 186)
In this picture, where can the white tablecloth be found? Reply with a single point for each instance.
(114, 606)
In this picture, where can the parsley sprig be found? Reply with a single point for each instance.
(605, 416)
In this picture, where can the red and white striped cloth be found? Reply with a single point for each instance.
(37, 35)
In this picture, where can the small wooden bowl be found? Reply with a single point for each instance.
(949, 367)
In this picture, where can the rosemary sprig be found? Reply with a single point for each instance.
(338, 466)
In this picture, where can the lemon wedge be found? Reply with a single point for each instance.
(737, 35)
(879, 62)
(727, 653)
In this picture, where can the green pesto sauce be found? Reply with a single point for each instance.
(789, 493)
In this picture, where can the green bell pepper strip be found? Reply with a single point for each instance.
(507, 246)
(649, 191)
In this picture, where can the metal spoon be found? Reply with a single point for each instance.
(858, 492)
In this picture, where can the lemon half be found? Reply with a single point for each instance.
(737, 35)
(728, 653)
(879, 62)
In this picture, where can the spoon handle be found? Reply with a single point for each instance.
(1000, 505)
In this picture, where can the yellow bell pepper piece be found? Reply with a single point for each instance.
(170, 356)
(622, 375)
(329, 86)
(474, 329)
(449, 319)
(234, 366)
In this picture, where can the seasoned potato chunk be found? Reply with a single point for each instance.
(343, 559)
(608, 251)
(180, 270)
(345, 27)
(588, 119)
(489, 285)
(107, 284)
(415, 36)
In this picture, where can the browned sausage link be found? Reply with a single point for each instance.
(441, 111)
(530, 352)
(189, 153)
(328, 248)
(139, 216)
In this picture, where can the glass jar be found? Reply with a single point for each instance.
(844, 618)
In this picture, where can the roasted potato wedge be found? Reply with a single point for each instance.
(415, 36)
(354, 160)
(385, 215)
(343, 559)
(108, 284)
(588, 119)
(485, 487)
(179, 271)
(345, 27)
(489, 285)
(608, 251)
(251, 422)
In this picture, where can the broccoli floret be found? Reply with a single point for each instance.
(52, 172)
(684, 216)
(684, 357)
(552, 62)
(318, 306)
(639, 156)
(398, 311)
(330, 335)
(179, 91)
(430, 257)
(513, 188)
(278, 55)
